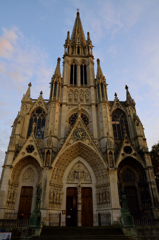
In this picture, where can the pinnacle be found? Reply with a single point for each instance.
(99, 70)
(129, 99)
(57, 70)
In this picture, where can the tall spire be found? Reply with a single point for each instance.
(77, 33)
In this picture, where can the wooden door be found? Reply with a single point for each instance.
(71, 207)
(25, 203)
(131, 196)
(87, 207)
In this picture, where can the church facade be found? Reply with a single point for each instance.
(81, 148)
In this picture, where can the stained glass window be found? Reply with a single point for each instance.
(73, 119)
(37, 117)
(120, 124)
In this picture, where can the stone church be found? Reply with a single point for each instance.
(80, 147)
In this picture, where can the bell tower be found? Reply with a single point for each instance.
(78, 80)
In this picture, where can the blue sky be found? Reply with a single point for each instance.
(125, 35)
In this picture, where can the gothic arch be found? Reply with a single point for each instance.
(79, 149)
(119, 123)
(75, 110)
(132, 178)
(26, 173)
(37, 116)
(85, 165)
(73, 61)
(83, 61)
(20, 165)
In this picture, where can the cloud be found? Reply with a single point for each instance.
(21, 62)
(7, 42)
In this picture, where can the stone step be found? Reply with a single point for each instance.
(82, 233)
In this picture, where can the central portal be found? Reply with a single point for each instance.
(87, 207)
(71, 207)
(79, 200)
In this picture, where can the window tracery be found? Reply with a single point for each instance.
(120, 125)
(73, 119)
(38, 119)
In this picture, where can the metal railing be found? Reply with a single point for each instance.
(14, 223)
(146, 224)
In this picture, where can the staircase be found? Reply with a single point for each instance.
(82, 233)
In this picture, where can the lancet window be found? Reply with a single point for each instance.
(100, 89)
(38, 119)
(73, 119)
(73, 74)
(98, 92)
(120, 125)
(55, 89)
(83, 74)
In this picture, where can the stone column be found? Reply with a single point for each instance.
(116, 209)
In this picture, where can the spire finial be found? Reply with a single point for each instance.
(126, 87)
(77, 12)
(41, 93)
(115, 94)
(68, 35)
(29, 85)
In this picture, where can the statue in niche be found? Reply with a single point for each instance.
(70, 96)
(75, 96)
(49, 141)
(51, 195)
(111, 164)
(81, 96)
(28, 175)
(107, 195)
(87, 96)
(79, 173)
(47, 162)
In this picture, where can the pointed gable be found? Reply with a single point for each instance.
(80, 133)
(30, 148)
(39, 103)
(116, 104)
(77, 33)
(127, 150)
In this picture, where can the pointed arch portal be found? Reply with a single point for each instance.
(132, 178)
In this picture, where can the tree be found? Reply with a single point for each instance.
(155, 161)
